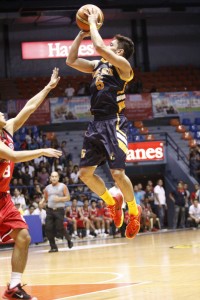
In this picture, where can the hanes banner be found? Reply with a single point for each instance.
(56, 49)
(145, 151)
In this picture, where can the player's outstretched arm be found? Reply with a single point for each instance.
(74, 61)
(15, 123)
(21, 156)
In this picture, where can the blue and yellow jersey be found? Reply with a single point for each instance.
(108, 90)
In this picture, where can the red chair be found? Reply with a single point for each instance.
(186, 136)
(174, 122)
(144, 130)
(150, 137)
(180, 128)
(138, 124)
(192, 143)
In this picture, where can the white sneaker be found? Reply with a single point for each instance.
(75, 236)
(89, 236)
(105, 234)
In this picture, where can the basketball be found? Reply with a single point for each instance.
(82, 19)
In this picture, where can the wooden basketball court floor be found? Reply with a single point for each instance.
(154, 266)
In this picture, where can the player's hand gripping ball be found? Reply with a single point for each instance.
(82, 18)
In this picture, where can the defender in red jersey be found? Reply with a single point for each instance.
(12, 224)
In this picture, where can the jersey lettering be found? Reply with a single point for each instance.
(6, 173)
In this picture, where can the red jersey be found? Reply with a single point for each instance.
(107, 212)
(6, 166)
(86, 212)
(73, 213)
(100, 211)
(94, 212)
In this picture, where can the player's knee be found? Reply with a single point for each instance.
(83, 174)
(117, 174)
(23, 238)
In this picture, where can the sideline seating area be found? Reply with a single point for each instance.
(170, 79)
(165, 79)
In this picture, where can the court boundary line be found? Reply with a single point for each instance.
(92, 293)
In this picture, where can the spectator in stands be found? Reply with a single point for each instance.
(73, 217)
(97, 222)
(30, 168)
(149, 220)
(85, 211)
(178, 197)
(18, 207)
(42, 214)
(20, 182)
(141, 191)
(13, 185)
(56, 165)
(74, 175)
(187, 199)
(160, 201)
(61, 174)
(104, 214)
(69, 91)
(42, 165)
(26, 191)
(138, 195)
(150, 196)
(194, 214)
(18, 198)
(38, 160)
(28, 137)
(23, 145)
(29, 211)
(150, 183)
(109, 224)
(26, 177)
(37, 191)
(33, 144)
(67, 156)
(17, 142)
(65, 180)
(194, 163)
(196, 193)
(43, 177)
(45, 143)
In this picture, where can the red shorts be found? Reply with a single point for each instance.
(80, 223)
(10, 218)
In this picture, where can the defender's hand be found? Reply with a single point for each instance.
(50, 152)
(54, 79)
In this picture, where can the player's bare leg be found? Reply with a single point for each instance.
(19, 259)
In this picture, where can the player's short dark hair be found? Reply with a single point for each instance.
(93, 200)
(126, 44)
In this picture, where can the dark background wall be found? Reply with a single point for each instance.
(173, 41)
(161, 39)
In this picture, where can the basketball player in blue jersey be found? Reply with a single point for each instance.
(106, 136)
